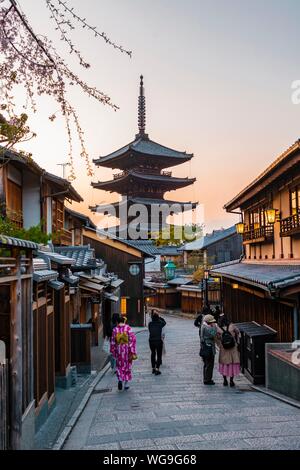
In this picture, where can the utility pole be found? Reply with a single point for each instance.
(64, 165)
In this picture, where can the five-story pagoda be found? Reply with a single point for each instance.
(142, 180)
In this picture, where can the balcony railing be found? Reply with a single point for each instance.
(258, 235)
(290, 225)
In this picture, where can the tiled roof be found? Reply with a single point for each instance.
(147, 246)
(57, 258)
(42, 270)
(17, 242)
(169, 250)
(83, 256)
(148, 147)
(270, 276)
(209, 239)
(170, 180)
(177, 205)
(133, 243)
(180, 281)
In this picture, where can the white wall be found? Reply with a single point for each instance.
(31, 200)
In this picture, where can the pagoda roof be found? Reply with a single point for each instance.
(141, 200)
(127, 176)
(144, 146)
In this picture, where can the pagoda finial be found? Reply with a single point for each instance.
(142, 110)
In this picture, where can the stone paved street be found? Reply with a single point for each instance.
(175, 411)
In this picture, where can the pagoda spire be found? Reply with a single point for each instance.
(142, 111)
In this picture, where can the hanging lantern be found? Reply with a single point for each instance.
(271, 216)
(206, 274)
(240, 228)
(170, 269)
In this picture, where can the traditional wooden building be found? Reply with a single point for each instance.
(127, 261)
(265, 285)
(142, 180)
(30, 196)
(217, 247)
(17, 417)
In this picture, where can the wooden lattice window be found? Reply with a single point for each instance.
(14, 203)
(57, 215)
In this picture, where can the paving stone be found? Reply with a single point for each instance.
(109, 438)
(176, 411)
(138, 444)
(271, 443)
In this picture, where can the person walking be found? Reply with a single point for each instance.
(155, 327)
(217, 313)
(229, 357)
(208, 348)
(123, 349)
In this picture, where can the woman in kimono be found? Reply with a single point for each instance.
(123, 349)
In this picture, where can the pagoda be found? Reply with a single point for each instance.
(142, 178)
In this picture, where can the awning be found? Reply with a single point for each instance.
(180, 281)
(45, 275)
(267, 276)
(91, 286)
(116, 283)
(56, 285)
(57, 258)
(111, 297)
(71, 280)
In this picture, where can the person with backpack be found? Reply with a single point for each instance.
(155, 327)
(123, 349)
(208, 348)
(229, 357)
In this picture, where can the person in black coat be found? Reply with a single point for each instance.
(155, 341)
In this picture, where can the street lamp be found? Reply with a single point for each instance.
(170, 269)
(271, 215)
(240, 228)
(206, 277)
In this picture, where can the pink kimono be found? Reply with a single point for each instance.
(123, 352)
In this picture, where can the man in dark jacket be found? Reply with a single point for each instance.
(155, 341)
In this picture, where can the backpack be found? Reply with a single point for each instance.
(228, 341)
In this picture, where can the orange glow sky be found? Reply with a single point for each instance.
(218, 80)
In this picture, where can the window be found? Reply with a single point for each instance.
(295, 200)
(14, 203)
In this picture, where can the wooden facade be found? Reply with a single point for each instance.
(119, 258)
(44, 347)
(248, 304)
(16, 331)
(265, 286)
(30, 196)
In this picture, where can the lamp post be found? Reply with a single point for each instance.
(206, 277)
(169, 269)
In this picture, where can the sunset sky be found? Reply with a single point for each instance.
(217, 75)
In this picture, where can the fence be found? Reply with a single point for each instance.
(283, 368)
(4, 423)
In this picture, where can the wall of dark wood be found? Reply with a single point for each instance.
(119, 262)
(244, 306)
(225, 250)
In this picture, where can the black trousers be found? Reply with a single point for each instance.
(208, 368)
(156, 353)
